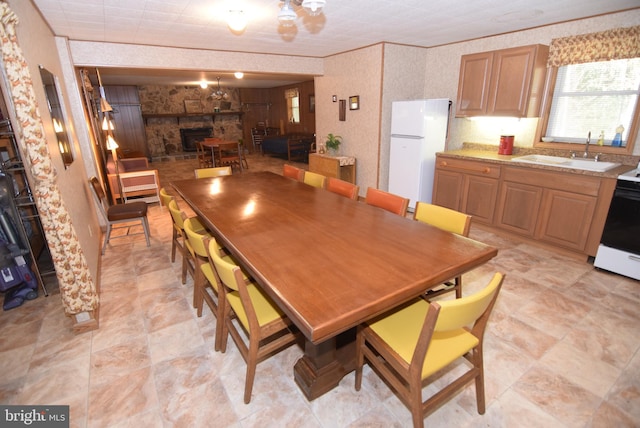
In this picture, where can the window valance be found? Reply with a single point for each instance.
(618, 43)
(291, 93)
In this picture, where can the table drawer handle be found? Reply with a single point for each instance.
(483, 170)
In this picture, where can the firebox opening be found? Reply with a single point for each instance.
(190, 136)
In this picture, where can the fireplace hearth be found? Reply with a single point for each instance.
(190, 136)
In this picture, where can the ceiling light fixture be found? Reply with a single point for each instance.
(219, 94)
(239, 74)
(236, 21)
(287, 15)
(313, 7)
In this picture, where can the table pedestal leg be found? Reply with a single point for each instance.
(325, 364)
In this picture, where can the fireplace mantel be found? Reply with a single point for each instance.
(178, 116)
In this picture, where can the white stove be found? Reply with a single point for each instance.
(619, 249)
(633, 175)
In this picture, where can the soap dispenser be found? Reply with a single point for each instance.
(617, 140)
(601, 139)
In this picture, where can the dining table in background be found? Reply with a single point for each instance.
(330, 263)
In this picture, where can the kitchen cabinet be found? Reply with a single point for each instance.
(559, 208)
(506, 82)
(550, 206)
(467, 186)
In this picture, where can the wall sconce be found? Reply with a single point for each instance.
(57, 126)
(107, 124)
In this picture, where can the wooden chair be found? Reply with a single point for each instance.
(124, 214)
(228, 154)
(344, 188)
(387, 201)
(291, 171)
(217, 171)
(257, 135)
(451, 221)
(264, 324)
(314, 179)
(407, 345)
(204, 156)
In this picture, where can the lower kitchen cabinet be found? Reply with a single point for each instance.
(560, 208)
(518, 208)
(565, 218)
(467, 186)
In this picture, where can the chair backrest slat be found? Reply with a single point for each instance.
(314, 179)
(443, 218)
(387, 201)
(291, 171)
(344, 188)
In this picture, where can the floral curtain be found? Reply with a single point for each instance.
(75, 283)
(619, 43)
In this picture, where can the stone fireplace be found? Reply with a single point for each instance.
(190, 136)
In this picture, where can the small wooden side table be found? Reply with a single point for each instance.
(342, 167)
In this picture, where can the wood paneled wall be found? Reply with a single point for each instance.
(270, 106)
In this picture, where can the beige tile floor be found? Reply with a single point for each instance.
(561, 350)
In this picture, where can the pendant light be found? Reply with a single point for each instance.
(313, 7)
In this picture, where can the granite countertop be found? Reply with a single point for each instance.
(489, 153)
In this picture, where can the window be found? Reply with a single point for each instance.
(293, 105)
(594, 97)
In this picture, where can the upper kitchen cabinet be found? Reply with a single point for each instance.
(506, 82)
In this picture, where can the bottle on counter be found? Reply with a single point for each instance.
(601, 139)
(617, 140)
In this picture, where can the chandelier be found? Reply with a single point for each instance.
(219, 94)
(287, 15)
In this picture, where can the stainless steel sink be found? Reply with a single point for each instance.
(560, 162)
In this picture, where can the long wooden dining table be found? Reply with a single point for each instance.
(330, 263)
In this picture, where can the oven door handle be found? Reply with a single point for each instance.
(633, 195)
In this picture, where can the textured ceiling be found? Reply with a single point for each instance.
(344, 25)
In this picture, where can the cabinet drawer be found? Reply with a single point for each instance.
(469, 167)
(574, 183)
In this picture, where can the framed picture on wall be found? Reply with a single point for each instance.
(192, 106)
(354, 102)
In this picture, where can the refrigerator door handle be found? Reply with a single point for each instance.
(411, 137)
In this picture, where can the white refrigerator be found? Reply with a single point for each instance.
(419, 130)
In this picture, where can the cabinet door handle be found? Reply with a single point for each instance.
(483, 170)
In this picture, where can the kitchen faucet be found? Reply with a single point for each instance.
(586, 149)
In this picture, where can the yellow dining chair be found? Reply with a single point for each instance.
(344, 188)
(165, 197)
(409, 344)
(181, 241)
(264, 324)
(291, 171)
(451, 221)
(314, 179)
(387, 201)
(217, 171)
